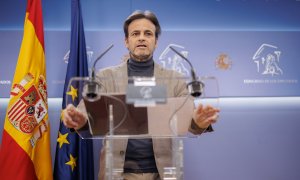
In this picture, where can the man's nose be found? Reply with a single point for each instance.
(141, 37)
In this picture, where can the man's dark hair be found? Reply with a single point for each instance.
(142, 15)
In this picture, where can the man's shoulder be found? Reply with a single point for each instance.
(167, 72)
(116, 67)
(112, 69)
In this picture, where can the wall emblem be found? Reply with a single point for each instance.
(267, 59)
(223, 62)
(171, 60)
(89, 54)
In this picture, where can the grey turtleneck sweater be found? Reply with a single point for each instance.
(139, 154)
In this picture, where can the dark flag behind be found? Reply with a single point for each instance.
(74, 156)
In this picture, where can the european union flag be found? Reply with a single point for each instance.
(74, 156)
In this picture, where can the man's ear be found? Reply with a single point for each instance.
(126, 42)
(156, 42)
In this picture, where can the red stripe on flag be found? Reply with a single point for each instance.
(14, 107)
(18, 165)
(35, 16)
(13, 93)
(18, 110)
(18, 116)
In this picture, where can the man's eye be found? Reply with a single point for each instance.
(134, 34)
(148, 34)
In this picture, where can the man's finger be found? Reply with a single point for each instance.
(213, 119)
(199, 108)
(69, 123)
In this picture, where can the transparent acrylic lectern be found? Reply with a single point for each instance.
(122, 108)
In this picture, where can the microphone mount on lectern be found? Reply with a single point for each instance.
(92, 87)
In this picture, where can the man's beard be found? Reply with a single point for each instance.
(141, 57)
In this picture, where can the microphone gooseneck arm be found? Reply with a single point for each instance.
(98, 58)
(195, 86)
(92, 87)
(182, 56)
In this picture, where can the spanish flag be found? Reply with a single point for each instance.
(25, 150)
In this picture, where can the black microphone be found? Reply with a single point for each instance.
(92, 87)
(195, 86)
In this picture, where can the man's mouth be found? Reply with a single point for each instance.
(141, 46)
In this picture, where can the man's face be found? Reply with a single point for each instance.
(141, 40)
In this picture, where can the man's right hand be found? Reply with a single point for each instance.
(73, 118)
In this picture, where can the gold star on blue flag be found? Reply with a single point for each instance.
(62, 139)
(73, 93)
(72, 162)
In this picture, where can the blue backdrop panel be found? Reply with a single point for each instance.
(256, 63)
